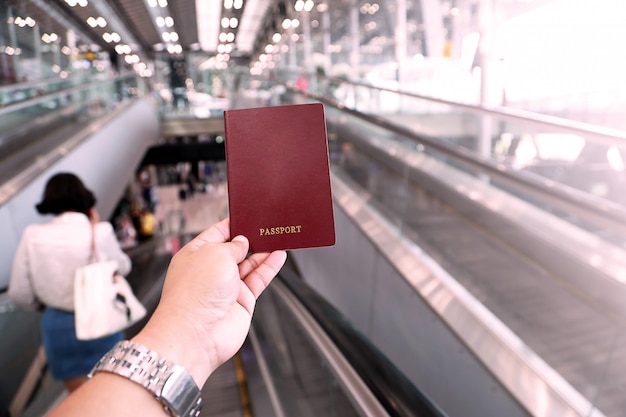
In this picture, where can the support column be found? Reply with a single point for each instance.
(13, 39)
(306, 42)
(355, 44)
(434, 36)
(486, 22)
(325, 15)
(401, 43)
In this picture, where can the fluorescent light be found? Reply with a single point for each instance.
(208, 15)
(253, 15)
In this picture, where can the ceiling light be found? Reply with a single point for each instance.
(233, 22)
(250, 23)
(101, 21)
(174, 49)
(238, 4)
(152, 3)
(169, 21)
(208, 14)
(160, 21)
(276, 37)
(228, 4)
(225, 22)
(163, 3)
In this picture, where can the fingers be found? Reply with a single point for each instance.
(258, 271)
(217, 233)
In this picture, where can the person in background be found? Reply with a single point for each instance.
(42, 276)
(201, 321)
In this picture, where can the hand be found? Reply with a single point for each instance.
(208, 299)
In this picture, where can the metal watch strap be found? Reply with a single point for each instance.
(171, 384)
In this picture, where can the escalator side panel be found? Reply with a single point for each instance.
(106, 162)
(402, 325)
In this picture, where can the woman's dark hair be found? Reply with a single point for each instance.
(66, 192)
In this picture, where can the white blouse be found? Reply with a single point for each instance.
(49, 253)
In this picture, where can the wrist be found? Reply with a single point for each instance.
(181, 344)
(169, 382)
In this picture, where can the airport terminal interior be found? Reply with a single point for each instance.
(477, 161)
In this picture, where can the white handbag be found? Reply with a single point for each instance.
(104, 302)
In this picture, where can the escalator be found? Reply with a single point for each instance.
(485, 284)
(301, 358)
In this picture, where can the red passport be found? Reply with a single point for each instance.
(279, 193)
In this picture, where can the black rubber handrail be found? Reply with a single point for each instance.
(395, 392)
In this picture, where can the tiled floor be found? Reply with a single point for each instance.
(198, 211)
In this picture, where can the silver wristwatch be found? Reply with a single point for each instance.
(171, 384)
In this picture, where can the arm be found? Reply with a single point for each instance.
(20, 285)
(201, 321)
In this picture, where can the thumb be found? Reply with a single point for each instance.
(241, 246)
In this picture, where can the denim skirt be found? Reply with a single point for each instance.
(67, 356)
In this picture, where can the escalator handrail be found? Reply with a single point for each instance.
(591, 131)
(13, 186)
(394, 391)
(91, 84)
(592, 209)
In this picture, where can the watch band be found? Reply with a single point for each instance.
(170, 383)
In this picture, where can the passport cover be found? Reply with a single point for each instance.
(278, 174)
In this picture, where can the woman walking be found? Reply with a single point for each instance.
(42, 277)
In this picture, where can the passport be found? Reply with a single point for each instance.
(278, 176)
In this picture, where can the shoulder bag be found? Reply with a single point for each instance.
(104, 302)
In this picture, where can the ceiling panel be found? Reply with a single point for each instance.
(135, 21)
(136, 17)
(184, 14)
